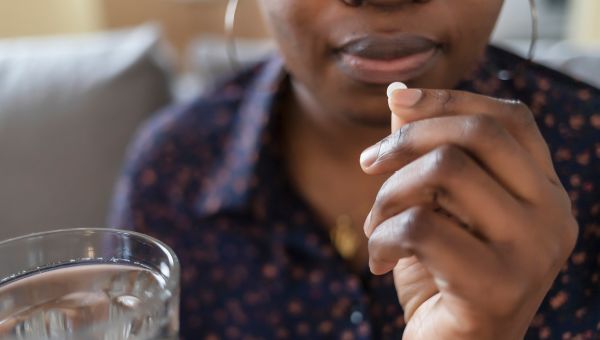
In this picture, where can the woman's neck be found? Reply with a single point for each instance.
(322, 152)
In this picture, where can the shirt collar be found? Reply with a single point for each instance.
(232, 182)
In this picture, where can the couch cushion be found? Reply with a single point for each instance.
(68, 107)
(581, 62)
(207, 62)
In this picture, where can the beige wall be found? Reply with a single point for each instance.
(43, 17)
(184, 19)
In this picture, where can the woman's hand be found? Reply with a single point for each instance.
(473, 220)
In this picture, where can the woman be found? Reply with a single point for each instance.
(468, 223)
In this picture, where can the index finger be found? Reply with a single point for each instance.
(417, 104)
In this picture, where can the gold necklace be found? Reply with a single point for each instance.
(343, 236)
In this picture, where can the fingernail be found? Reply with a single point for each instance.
(406, 98)
(369, 156)
(394, 87)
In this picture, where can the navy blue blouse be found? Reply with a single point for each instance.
(207, 178)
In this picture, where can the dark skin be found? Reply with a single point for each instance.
(463, 203)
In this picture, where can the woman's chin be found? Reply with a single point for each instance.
(363, 106)
(369, 119)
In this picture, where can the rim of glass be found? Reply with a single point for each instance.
(171, 281)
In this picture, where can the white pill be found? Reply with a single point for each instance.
(395, 86)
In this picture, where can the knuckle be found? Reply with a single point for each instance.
(446, 161)
(398, 143)
(375, 248)
(520, 113)
(446, 100)
(385, 205)
(571, 234)
(386, 242)
(415, 227)
(483, 129)
(386, 146)
(561, 246)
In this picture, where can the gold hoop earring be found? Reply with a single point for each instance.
(229, 27)
(534, 29)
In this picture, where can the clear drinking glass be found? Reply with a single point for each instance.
(88, 284)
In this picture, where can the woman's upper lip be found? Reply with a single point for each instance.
(386, 46)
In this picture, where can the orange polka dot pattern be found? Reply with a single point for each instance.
(207, 178)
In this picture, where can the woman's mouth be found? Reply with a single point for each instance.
(382, 59)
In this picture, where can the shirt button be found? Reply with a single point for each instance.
(356, 317)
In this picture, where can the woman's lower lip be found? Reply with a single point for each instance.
(378, 71)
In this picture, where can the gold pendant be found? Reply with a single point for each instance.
(344, 237)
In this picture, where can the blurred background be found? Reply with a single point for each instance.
(184, 20)
(77, 77)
